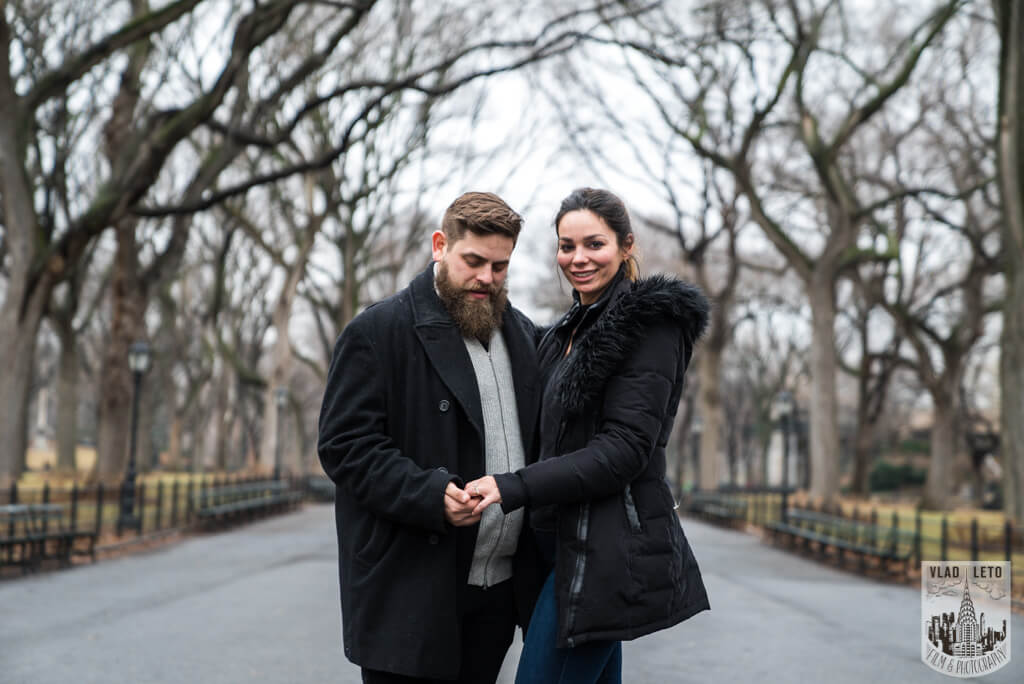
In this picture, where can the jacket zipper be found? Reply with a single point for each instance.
(576, 586)
(631, 515)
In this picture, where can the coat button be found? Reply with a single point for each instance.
(433, 539)
(444, 406)
(443, 469)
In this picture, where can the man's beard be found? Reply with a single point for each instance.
(475, 318)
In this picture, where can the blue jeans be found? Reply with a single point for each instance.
(595, 662)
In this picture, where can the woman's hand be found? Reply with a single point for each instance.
(487, 490)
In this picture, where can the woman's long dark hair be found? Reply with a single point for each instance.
(611, 210)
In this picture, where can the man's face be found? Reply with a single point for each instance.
(475, 263)
(471, 280)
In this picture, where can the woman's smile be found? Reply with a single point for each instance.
(582, 276)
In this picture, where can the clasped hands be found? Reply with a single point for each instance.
(463, 507)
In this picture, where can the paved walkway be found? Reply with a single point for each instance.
(260, 604)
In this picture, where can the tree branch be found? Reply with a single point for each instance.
(858, 116)
(74, 67)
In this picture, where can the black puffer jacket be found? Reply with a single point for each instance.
(623, 567)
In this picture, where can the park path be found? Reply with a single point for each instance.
(260, 604)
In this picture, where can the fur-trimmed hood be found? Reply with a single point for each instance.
(631, 310)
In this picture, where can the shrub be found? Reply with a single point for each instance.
(886, 476)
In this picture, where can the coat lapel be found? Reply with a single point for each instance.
(445, 348)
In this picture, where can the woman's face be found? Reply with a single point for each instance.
(588, 253)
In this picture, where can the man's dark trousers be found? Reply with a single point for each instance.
(488, 625)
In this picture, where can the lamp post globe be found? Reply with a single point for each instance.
(139, 358)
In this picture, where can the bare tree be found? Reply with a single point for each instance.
(941, 312)
(717, 273)
(42, 253)
(149, 123)
(767, 355)
(69, 316)
(750, 116)
(874, 371)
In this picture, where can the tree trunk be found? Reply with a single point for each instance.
(219, 421)
(681, 436)
(710, 402)
(174, 459)
(281, 355)
(750, 460)
(126, 326)
(1011, 369)
(1010, 147)
(938, 488)
(863, 457)
(732, 458)
(17, 358)
(26, 292)
(18, 330)
(67, 398)
(280, 368)
(867, 420)
(824, 426)
(306, 458)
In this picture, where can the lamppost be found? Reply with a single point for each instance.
(138, 362)
(782, 408)
(281, 399)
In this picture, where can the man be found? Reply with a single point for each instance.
(429, 389)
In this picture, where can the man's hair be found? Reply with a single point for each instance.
(482, 213)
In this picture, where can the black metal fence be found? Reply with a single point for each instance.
(35, 519)
(927, 536)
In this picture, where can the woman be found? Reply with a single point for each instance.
(599, 502)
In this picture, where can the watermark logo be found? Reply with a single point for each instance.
(965, 617)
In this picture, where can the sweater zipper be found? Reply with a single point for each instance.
(504, 518)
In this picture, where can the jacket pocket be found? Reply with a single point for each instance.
(381, 536)
(632, 517)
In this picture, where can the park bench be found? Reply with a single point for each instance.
(721, 508)
(860, 538)
(231, 503)
(31, 534)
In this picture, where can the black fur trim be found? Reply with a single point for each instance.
(619, 329)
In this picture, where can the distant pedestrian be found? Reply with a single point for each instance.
(428, 388)
(600, 506)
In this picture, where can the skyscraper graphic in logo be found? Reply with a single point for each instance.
(965, 615)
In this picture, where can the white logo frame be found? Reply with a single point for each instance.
(966, 617)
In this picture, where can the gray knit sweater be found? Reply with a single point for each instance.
(503, 452)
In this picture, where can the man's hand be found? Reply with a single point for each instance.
(458, 507)
(485, 491)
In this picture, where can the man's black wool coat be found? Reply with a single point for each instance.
(400, 419)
